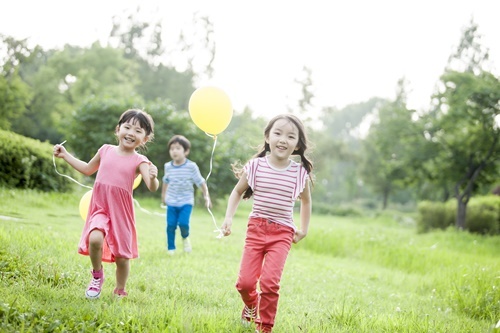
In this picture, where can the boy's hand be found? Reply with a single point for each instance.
(208, 202)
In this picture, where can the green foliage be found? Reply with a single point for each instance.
(388, 149)
(435, 215)
(336, 153)
(27, 163)
(164, 82)
(14, 95)
(483, 215)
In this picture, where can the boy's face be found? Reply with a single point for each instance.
(177, 153)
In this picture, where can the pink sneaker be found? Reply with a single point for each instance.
(94, 289)
(120, 292)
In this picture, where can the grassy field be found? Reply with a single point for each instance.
(369, 274)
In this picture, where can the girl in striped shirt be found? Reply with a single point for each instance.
(276, 182)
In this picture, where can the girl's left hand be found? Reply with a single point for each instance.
(298, 236)
(153, 171)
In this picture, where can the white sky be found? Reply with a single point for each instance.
(356, 49)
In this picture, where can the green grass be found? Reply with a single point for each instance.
(363, 274)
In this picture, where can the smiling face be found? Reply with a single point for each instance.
(130, 136)
(283, 139)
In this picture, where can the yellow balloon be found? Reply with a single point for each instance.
(137, 181)
(85, 204)
(210, 109)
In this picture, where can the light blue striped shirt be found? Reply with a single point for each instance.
(180, 180)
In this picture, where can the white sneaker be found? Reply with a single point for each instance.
(187, 244)
(171, 252)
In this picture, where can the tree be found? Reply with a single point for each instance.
(388, 147)
(14, 95)
(14, 92)
(464, 125)
(66, 80)
(465, 132)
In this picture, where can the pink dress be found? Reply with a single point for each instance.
(111, 207)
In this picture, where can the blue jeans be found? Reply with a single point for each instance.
(177, 216)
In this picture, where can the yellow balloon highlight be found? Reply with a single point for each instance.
(85, 204)
(210, 109)
(137, 181)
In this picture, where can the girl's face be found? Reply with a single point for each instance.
(177, 153)
(131, 135)
(283, 139)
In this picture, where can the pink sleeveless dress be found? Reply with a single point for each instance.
(111, 208)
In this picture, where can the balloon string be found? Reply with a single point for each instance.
(145, 210)
(212, 155)
(220, 235)
(60, 174)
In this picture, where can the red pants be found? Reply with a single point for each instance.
(266, 248)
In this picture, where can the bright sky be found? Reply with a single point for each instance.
(356, 49)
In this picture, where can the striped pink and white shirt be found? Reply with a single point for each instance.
(275, 190)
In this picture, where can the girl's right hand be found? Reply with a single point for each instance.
(59, 151)
(226, 227)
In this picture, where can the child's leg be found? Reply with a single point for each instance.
(172, 216)
(183, 218)
(122, 272)
(251, 263)
(96, 241)
(279, 241)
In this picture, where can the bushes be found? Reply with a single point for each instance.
(434, 215)
(27, 164)
(483, 215)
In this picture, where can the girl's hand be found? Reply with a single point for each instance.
(298, 236)
(226, 227)
(60, 151)
(153, 171)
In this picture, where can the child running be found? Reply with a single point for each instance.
(109, 233)
(276, 182)
(177, 192)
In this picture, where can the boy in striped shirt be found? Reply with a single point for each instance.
(181, 174)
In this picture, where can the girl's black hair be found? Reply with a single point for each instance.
(142, 117)
(301, 145)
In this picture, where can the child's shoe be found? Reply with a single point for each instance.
(94, 289)
(171, 252)
(120, 293)
(248, 315)
(263, 329)
(187, 245)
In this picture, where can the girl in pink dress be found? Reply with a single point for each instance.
(109, 233)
